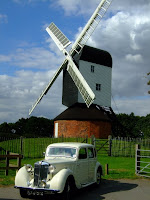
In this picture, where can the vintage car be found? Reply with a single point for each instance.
(66, 166)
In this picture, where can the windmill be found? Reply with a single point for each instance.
(62, 42)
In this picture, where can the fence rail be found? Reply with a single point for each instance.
(8, 157)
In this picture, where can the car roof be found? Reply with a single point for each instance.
(71, 144)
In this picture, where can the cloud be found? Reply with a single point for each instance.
(3, 18)
(137, 106)
(134, 58)
(36, 67)
(17, 94)
(33, 58)
(5, 58)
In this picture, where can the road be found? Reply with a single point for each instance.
(138, 189)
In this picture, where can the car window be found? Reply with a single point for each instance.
(90, 153)
(82, 153)
(61, 151)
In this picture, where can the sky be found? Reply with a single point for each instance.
(29, 57)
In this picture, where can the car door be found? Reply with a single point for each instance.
(91, 164)
(82, 167)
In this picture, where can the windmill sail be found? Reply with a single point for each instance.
(59, 38)
(62, 42)
(90, 26)
(44, 92)
(83, 87)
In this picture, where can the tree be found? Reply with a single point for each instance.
(5, 128)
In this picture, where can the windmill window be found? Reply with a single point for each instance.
(92, 68)
(98, 87)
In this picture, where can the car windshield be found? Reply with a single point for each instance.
(61, 151)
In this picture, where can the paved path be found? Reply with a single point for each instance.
(138, 189)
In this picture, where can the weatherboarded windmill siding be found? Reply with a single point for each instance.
(96, 67)
(78, 120)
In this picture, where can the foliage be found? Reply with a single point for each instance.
(30, 127)
(124, 125)
(132, 126)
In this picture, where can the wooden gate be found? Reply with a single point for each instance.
(103, 146)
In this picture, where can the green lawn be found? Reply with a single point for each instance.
(119, 168)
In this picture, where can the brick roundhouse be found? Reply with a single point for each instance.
(80, 121)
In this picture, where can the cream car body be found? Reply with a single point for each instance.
(76, 162)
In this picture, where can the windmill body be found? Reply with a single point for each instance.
(96, 67)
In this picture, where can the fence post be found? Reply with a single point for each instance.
(106, 169)
(19, 162)
(21, 145)
(7, 163)
(137, 158)
(110, 145)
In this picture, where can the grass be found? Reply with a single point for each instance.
(119, 168)
(10, 179)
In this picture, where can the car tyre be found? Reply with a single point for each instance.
(67, 193)
(23, 193)
(98, 177)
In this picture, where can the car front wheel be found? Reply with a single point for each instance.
(67, 190)
(98, 177)
(23, 193)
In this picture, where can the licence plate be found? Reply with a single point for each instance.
(34, 192)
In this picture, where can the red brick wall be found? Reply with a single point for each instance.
(74, 128)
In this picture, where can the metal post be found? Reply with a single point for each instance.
(110, 145)
(21, 145)
(137, 159)
(93, 140)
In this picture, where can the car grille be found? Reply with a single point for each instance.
(40, 172)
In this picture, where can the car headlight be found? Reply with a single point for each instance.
(28, 168)
(52, 168)
(43, 184)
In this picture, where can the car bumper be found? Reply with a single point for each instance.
(37, 191)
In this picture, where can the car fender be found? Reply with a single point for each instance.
(59, 180)
(22, 177)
